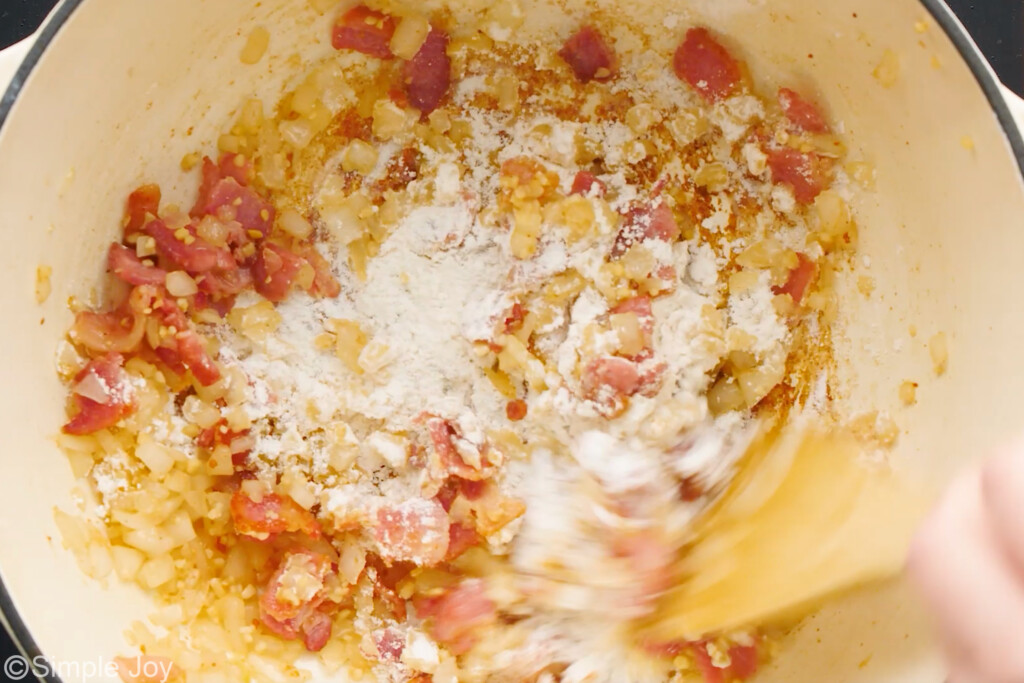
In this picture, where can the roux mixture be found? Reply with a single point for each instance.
(452, 348)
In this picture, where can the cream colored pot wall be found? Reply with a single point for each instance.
(128, 87)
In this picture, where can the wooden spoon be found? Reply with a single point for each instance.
(804, 519)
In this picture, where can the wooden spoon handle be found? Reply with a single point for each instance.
(805, 518)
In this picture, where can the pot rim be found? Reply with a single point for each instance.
(939, 11)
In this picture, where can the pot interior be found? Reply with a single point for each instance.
(125, 89)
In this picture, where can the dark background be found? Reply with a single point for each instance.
(997, 26)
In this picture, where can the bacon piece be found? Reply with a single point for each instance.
(461, 537)
(743, 666)
(289, 604)
(650, 561)
(148, 669)
(218, 434)
(389, 644)
(428, 75)
(447, 493)
(403, 168)
(514, 318)
(275, 271)
(185, 250)
(453, 487)
(586, 183)
(457, 616)
(663, 650)
(610, 378)
(364, 30)
(102, 395)
(803, 114)
(661, 224)
(220, 306)
(141, 202)
(224, 193)
(644, 223)
(237, 166)
(705, 64)
(125, 265)
(295, 585)
(705, 666)
(651, 375)
(271, 515)
(225, 284)
(800, 279)
(210, 175)
(324, 283)
(448, 445)
(524, 170)
(413, 531)
(473, 490)
(640, 306)
(316, 631)
(170, 358)
(523, 174)
(744, 661)
(666, 272)
(230, 201)
(185, 348)
(487, 508)
(589, 56)
(808, 174)
(192, 352)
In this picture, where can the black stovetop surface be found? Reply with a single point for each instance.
(997, 26)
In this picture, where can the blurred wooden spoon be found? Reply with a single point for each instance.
(804, 519)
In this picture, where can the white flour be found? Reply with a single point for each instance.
(436, 294)
(753, 313)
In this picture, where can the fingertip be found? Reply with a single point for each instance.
(1002, 488)
(923, 549)
(940, 532)
(1001, 474)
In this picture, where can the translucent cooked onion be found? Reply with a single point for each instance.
(242, 444)
(213, 231)
(293, 223)
(180, 283)
(93, 388)
(105, 332)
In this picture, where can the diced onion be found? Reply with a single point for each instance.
(293, 223)
(127, 562)
(255, 46)
(180, 283)
(213, 231)
(409, 36)
(156, 572)
(156, 457)
(152, 541)
(242, 444)
(93, 388)
(296, 133)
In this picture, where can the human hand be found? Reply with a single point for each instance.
(968, 560)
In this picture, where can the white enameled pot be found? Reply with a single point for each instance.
(111, 93)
